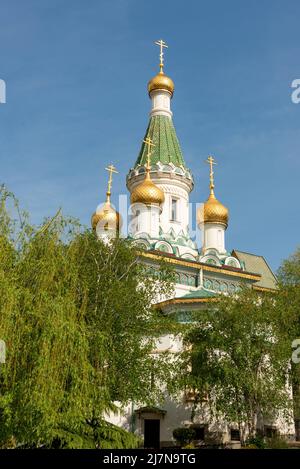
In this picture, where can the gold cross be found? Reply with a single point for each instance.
(111, 169)
(211, 161)
(161, 44)
(149, 144)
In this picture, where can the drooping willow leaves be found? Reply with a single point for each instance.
(74, 314)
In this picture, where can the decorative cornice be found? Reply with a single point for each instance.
(175, 301)
(165, 180)
(199, 266)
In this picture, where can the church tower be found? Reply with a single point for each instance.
(161, 160)
(213, 219)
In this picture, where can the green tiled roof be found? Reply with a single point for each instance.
(258, 265)
(167, 149)
(201, 293)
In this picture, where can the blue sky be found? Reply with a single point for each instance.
(76, 75)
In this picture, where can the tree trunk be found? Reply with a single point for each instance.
(252, 421)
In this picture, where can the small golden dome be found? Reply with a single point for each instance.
(147, 192)
(213, 211)
(109, 217)
(161, 82)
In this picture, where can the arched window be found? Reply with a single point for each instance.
(174, 209)
(137, 220)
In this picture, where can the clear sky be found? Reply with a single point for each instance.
(76, 75)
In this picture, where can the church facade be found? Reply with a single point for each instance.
(160, 184)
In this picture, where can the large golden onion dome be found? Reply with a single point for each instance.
(147, 192)
(214, 211)
(161, 82)
(110, 219)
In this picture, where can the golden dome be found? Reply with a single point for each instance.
(161, 82)
(147, 192)
(110, 219)
(213, 211)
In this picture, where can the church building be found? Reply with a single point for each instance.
(160, 183)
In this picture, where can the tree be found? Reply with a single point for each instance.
(77, 320)
(238, 361)
(288, 302)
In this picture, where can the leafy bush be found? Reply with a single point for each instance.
(184, 435)
(256, 442)
(190, 446)
(276, 443)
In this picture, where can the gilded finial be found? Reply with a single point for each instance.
(161, 44)
(149, 144)
(211, 161)
(161, 81)
(111, 169)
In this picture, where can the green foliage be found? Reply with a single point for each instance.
(288, 309)
(184, 435)
(238, 357)
(256, 442)
(108, 436)
(276, 443)
(96, 434)
(289, 271)
(78, 324)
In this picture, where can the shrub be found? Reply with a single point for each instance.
(256, 442)
(276, 443)
(184, 435)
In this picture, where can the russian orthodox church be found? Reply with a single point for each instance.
(160, 184)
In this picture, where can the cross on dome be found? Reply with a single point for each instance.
(161, 81)
(211, 161)
(161, 44)
(111, 169)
